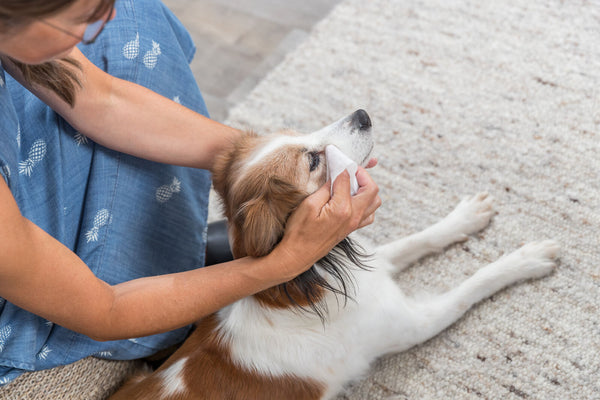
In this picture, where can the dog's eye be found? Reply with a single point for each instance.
(314, 159)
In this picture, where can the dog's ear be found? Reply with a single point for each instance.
(261, 220)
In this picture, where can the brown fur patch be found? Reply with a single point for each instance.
(263, 209)
(209, 373)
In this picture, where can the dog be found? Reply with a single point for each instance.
(306, 339)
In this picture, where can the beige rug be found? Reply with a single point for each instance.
(470, 95)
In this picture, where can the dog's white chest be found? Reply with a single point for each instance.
(286, 342)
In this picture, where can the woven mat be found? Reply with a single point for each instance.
(470, 95)
(88, 379)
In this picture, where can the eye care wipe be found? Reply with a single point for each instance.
(337, 162)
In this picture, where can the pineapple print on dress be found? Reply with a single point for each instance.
(132, 48)
(80, 139)
(5, 334)
(36, 154)
(151, 56)
(165, 192)
(44, 353)
(101, 219)
(103, 354)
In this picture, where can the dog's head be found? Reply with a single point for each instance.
(262, 179)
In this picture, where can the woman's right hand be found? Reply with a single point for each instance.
(323, 220)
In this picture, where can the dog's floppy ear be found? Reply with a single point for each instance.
(261, 220)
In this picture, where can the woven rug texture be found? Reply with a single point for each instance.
(88, 379)
(465, 96)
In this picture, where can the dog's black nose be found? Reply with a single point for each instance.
(361, 120)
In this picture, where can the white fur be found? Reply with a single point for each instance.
(173, 379)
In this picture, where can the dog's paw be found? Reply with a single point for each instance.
(533, 260)
(471, 215)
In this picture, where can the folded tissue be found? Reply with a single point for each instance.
(337, 162)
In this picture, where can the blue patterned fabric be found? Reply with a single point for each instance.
(125, 217)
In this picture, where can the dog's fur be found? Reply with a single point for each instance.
(305, 339)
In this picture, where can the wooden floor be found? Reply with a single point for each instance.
(239, 41)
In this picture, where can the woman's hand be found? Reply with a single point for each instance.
(323, 220)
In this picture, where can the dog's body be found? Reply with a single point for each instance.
(265, 346)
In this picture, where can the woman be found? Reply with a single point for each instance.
(100, 249)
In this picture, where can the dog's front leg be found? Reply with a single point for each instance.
(471, 215)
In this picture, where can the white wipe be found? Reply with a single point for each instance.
(337, 162)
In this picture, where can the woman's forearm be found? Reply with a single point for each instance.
(171, 301)
(142, 123)
(39, 274)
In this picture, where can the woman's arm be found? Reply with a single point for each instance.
(129, 118)
(39, 274)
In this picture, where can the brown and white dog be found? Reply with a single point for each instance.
(303, 340)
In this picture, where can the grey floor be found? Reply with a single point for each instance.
(240, 41)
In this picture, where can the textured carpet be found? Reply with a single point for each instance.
(87, 379)
(466, 96)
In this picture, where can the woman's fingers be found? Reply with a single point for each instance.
(367, 221)
(367, 198)
(319, 199)
(340, 196)
(372, 162)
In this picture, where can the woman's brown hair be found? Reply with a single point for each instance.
(60, 76)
